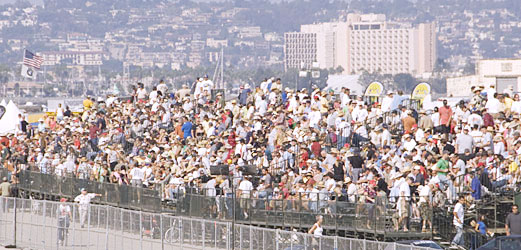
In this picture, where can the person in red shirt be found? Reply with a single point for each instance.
(445, 117)
(316, 147)
(93, 135)
(231, 139)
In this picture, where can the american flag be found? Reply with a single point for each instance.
(32, 60)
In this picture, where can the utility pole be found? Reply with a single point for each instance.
(222, 67)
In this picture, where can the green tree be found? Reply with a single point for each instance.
(405, 82)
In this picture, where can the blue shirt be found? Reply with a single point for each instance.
(397, 100)
(187, 130)
(476, 188)
(284, 97)
(482, 227)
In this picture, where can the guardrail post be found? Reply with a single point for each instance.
(263, 246)
(277, 236)
(228, 236)
(203, 238)
(107, 228)
(88, 221)
(44, 216)
(6, 203)
(161, 232)
(140, 231)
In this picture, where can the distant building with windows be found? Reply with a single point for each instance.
(363, 42)
(503, 74)
(83, 58)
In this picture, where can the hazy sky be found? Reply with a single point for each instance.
(38, 2)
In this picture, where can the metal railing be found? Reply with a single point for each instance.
(41, 224)
(379, 218)
(123, 196)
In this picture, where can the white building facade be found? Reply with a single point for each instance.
(503, 74)
(368, 42)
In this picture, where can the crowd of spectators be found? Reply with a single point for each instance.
(311, 144)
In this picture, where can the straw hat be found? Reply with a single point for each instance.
(397, 175)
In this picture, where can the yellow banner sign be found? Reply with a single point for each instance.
(374, 89)
(421, 91)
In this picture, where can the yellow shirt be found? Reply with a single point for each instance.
(512, 168)
(508, 103)
(324, 105)
(87, 104)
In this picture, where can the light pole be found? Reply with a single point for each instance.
(306, 70)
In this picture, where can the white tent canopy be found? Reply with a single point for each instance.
(9, 121)
(3, 103)
(336, 82)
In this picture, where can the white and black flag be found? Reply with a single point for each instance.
(28, 72)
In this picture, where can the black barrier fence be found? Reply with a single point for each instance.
(412, 104)
(123, 196)
(380, 217)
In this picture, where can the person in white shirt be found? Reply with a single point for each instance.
(84, 200)
(141, 93)
(162, 87)
(153, 95)
(435, 117)
(345, 98)
(425, 203)
(387, 101)
(516, 105)
(244, 192)
(491, 92)
(409, 143)
(317, 229)
(262, 106)
(264, 85)
(64, 216)
(198, 88)
(207, 84)
(493, 105)
(314, 117)
(59, 112)
(403, 203)
(458, 221)
(211, 193)
(136, 176)
(475, 119)
(385, 137)
(352, 190)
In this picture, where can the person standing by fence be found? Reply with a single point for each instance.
(513, 223)
(64, 215)
(84, 200)
(458, 221)
(317, 231)
(5, 189)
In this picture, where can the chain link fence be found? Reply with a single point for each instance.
(40, 224)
